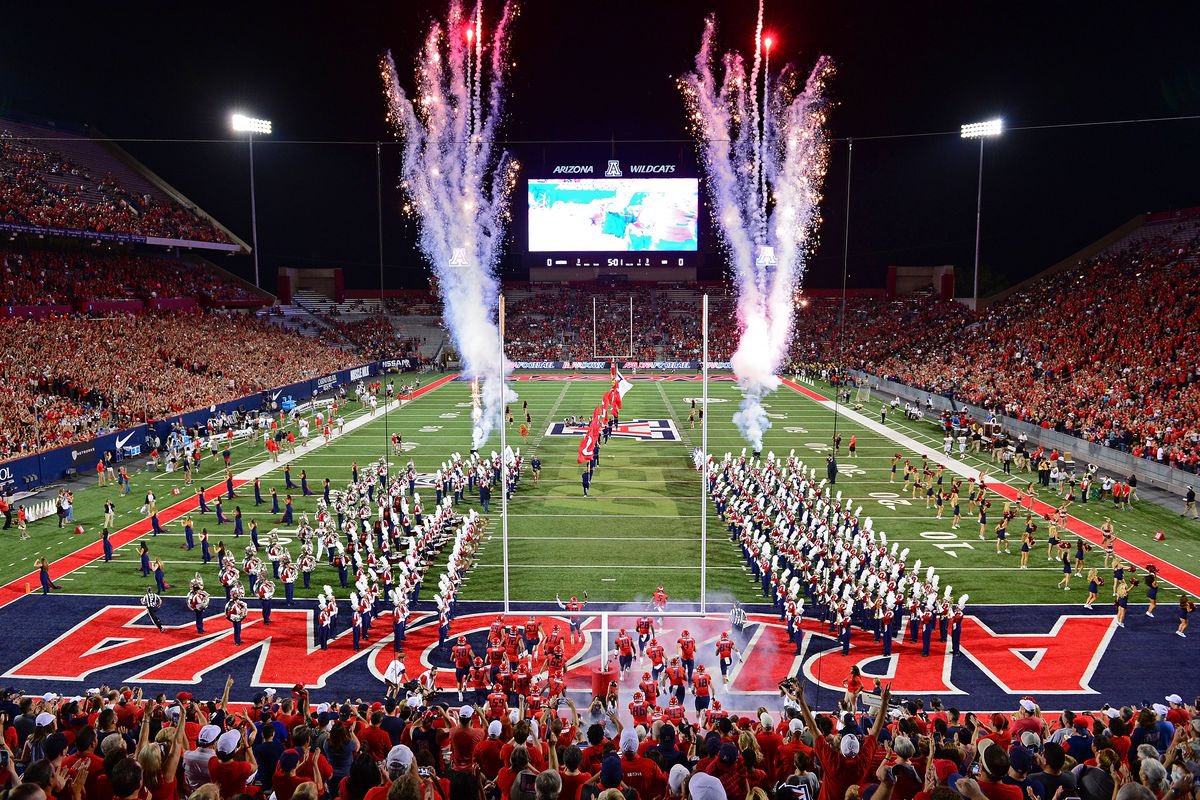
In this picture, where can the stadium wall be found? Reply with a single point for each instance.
(31, 472)
(1150, 473)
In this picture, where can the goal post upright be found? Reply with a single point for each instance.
(704, 456)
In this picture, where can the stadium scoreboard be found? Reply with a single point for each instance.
(613, 215)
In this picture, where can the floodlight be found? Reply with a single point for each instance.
(978, 130)
(243, 124)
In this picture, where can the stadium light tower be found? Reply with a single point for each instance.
(250, 126)
(981, 131)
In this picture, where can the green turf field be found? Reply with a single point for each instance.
(641, 525)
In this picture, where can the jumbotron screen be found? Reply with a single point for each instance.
(613, 215)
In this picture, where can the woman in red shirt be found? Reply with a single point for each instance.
(854, 686)
(160, 769)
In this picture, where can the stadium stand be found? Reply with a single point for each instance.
(1106, 351)
(68, 379)
(74, 276)
(180, 747)
(58, 179)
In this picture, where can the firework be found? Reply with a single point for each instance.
(765, 161)
(457, 186)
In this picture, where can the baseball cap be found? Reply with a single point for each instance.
(1159, 709)
(1028, 705)
(629, 741)
(1174, 698)
(494, 728)
(1020, 758)
(399, 757)
(229, 741)
(183, 697)
(44, 718)
(677, 776)
(728, 753)
(795, 726)
(703, 786)
(288, 760)
(1112, 713)
(466, 712)
(49, 697)
(208, 734)
(1032, 740)
(849, 745)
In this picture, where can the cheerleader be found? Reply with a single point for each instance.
(1151, 589)
(1080, 549)
(1108, 538)
(908, 469)
(1118, 573)
(1094, 581)
(1186, 606)
(940, 499)
(983, 523)
(1002, 534)
(1052, 540)
(955, 507)
(895, 461)
(1065, 583)
(1122, 603)
(1027, 543)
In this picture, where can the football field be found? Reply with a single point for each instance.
(640, 526)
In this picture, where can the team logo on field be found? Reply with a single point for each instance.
(645, 430)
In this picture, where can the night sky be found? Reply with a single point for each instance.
(606, 70)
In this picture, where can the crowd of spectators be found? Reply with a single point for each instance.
(32, 276)
(375, 338)
(112, 745)
(557, 325)
(1107, 351)
(40, 186)
(68, 379)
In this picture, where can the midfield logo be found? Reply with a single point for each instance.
(644, 430)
